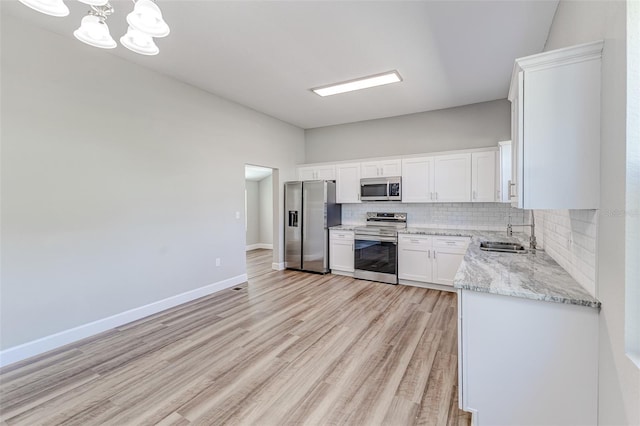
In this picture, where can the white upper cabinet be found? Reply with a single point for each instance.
(483, 177)
(452, 178)
(556, 129)
(323, 172)
(503, 172)
(348, 183)
(381, 168)
(417, 180)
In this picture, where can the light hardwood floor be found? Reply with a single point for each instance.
(259, 262)
(285, 348)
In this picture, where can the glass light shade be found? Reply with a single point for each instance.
(49, 7)
(94, 2)
(147, 17)
(94, 31)
(139, 42)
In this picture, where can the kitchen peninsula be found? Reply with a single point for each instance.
(527, 340)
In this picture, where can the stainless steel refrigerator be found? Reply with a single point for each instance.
(310, 209)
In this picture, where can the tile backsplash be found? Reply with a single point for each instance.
(569, 237)
(481, 216)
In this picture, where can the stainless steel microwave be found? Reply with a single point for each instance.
(381, 189)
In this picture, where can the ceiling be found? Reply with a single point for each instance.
(267, 54)
(256, 173)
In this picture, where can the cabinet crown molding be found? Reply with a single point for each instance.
(554, 58)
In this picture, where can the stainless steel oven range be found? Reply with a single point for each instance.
(376, 247)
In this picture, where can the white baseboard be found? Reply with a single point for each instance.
(277, 266)
(259, 246)
(44, 344)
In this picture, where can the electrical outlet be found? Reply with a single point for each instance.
(217, 261)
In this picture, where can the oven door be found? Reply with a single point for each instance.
(376, 258)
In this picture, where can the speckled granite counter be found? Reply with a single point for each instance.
(533, 275)
(438, 231)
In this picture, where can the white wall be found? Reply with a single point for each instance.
(266, 210)
(471, 126)
(253, 212)
(579, 22)
(120, 186)
(632, 264)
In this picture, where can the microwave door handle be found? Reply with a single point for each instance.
(388, 193)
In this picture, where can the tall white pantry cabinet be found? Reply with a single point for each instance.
(555, 124)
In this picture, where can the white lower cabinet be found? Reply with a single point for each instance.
(429, 259)
(341, 251)
(414, 258)
(527, 362)
(445, 265)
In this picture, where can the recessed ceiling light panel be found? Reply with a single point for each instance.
(359, 83)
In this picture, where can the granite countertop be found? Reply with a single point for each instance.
(438, 231)
(533, 275)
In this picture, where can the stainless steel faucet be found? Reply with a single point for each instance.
(532, 239)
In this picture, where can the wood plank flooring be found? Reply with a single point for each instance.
(259, 262)
(285, 348)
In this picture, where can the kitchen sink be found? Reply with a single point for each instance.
(503, 247)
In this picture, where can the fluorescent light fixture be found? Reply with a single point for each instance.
(359, 83)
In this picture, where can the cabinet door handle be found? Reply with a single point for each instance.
(474, 194)
(434, 254)
(436, 195)
(429, 254)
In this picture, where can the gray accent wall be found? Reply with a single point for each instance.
(470, 126)
(120, 186)
(578, 22)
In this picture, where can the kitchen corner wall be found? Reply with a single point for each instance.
(481, 216)
(569, 237)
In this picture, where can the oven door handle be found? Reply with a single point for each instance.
(377, 238)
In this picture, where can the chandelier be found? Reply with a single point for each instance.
(145, 23)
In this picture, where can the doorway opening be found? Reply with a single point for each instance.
(259, 214)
